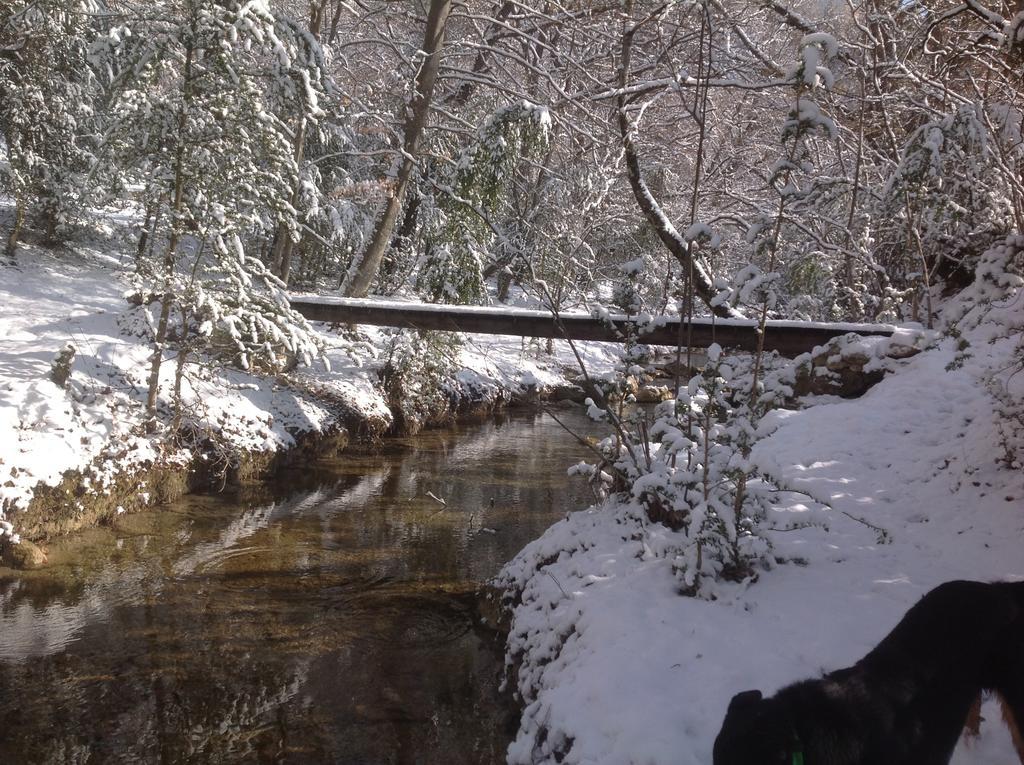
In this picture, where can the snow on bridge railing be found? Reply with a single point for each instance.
(789, 338)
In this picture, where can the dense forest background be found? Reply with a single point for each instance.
(854, 157)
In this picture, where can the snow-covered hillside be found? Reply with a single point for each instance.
(616, 667)
(94, 424)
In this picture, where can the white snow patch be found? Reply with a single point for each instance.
(616, 667)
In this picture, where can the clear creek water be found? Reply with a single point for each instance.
(324, 617)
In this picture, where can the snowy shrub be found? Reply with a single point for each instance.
(247, 308)
(689, 469)
(989, 311)
(336, 210)
(416, 375)
(627, 374)
(949, 184)
(783, 268)
(698, 478)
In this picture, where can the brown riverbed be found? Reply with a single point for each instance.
(324, 617)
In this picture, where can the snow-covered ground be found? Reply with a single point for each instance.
(617, 667)
(94, 424)
(49, 301)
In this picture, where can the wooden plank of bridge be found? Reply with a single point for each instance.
(790, 338)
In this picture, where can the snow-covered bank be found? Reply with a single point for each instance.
(614, 666)
(73, 451)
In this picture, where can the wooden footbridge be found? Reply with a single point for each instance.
(790, 338)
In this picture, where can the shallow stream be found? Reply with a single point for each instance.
(325, 617)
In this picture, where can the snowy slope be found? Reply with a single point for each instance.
(44, 429)
(618, 668)
(48, 301)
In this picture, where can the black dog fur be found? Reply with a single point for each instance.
(906, 702)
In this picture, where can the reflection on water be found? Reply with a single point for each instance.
(323, 618)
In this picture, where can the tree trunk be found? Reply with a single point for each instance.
(170, 258)
(149, 219)
(483, 58)
(283, 242)
(50, 228)
(179, 371)
(848, 273)
(362, 272)
(12, 238)
(702, 280)
(332, 36)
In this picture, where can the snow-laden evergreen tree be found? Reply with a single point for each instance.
(461, 237)
(335, 208)
(946, 199)
(46, 107)
(199, 106)
(701, 476)
(307, 57)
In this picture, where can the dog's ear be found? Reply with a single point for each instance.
(744, 699)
